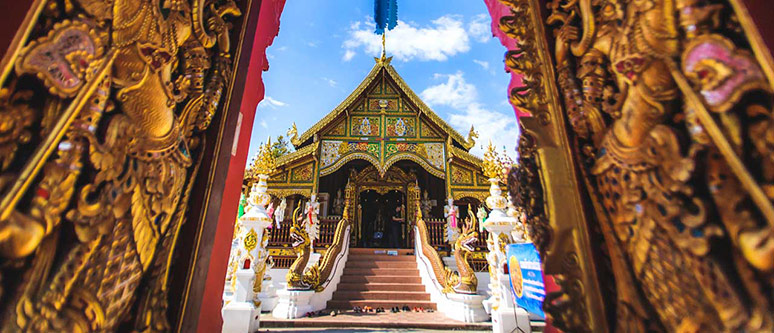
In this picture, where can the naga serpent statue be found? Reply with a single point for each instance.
(302, 248)
(464, 281)
(315, 277)
(318, 274)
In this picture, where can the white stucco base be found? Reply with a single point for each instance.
(467, 308)
(240, 314)
(507, 316)
(268, 296)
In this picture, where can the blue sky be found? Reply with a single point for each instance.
(444, 50)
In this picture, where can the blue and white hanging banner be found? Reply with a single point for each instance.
(526, 277)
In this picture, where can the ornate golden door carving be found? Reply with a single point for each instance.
(662, 110)
(103, 110)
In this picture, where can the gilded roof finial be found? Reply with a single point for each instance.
(384, 60)
(491, 165)
(384, 46)
(265, 162)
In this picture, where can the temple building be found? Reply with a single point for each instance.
(393, 149)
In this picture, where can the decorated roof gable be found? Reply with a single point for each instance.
(382, 106)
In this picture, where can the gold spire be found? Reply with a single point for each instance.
(383, 60)
(491, 165)
(265, 162)
(384, 45)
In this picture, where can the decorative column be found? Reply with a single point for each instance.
(501, 306)
(241, 312)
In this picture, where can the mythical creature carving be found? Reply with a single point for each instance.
(302, 247)
(674, 158)
(470, 142)
(464, 281)
(320, 272)
(293, 135)
(116, 161)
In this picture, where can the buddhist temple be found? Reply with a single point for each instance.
(393, 150)
(641, 198)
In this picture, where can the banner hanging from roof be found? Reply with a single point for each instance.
(385, 15)
(526, 277)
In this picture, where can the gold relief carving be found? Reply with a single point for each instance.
(304, 173)
(481, 180)
(63, 58)
(118, 96)
(280, 177)
(383, 104)
(340, 129)
(426, 131)
(460, 175)
(478, 195)
(661, 145)
(389, 90)
(251, 240)
(286, 192)
(522, 25)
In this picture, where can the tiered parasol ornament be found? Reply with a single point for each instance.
(499, 223)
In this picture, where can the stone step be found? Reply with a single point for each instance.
(401, 296)
(381, 251)
(380, 257)
(387, 304)
(349, 321)
(382, 264)
(381, 271)
(380, 279)
(380, 287)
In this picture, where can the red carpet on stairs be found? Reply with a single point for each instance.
(374, 278)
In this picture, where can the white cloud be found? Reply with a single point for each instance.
(271, 103)
(499, 128)
(348, 55)
(455, 92)
(312, 44)
(444, 37)
(331, 82)
(483, 64)
(480, 28)
(282, 48)
(264, 124)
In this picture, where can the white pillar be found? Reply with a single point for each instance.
(242, 312)
(505, 315)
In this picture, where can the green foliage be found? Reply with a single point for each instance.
(280, 147)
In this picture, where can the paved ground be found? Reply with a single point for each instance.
(358, 330)
(372, 322)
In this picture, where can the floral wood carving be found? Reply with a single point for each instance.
(108, 102)
(671, 115)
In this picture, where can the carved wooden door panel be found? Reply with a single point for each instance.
(654, 119)
(105, 110)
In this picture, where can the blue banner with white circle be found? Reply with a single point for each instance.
(526, 276)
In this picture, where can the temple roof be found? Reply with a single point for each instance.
(382, 65)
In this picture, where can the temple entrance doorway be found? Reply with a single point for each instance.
(374, 193)
(378, 230)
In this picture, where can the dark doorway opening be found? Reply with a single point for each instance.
(378, 228)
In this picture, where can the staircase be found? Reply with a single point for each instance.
(376, 279)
